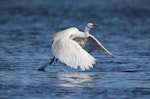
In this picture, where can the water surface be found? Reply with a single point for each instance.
(26, 31)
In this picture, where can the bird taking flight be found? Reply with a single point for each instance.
(67, 46)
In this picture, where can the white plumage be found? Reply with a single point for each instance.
(67, 47)
(69, 51)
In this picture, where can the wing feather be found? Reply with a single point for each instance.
(92, 43)
(72, 54)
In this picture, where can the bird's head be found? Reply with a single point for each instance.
(88, 27)
(91, 25)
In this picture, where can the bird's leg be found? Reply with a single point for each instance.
(46, 64)
(43, 67)
(52, 60)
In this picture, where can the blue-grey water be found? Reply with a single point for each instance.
(26, 31)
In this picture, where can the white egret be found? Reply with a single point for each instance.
(67, 47)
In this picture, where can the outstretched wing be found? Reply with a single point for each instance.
(94, 44)
(72, 54)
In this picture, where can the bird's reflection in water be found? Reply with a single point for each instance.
(75, 80)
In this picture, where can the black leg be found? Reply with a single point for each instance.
(52, 60)
(46, 64)
(43, 67)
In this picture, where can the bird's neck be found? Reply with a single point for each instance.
(86, 30)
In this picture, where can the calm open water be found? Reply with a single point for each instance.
(26, 31)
